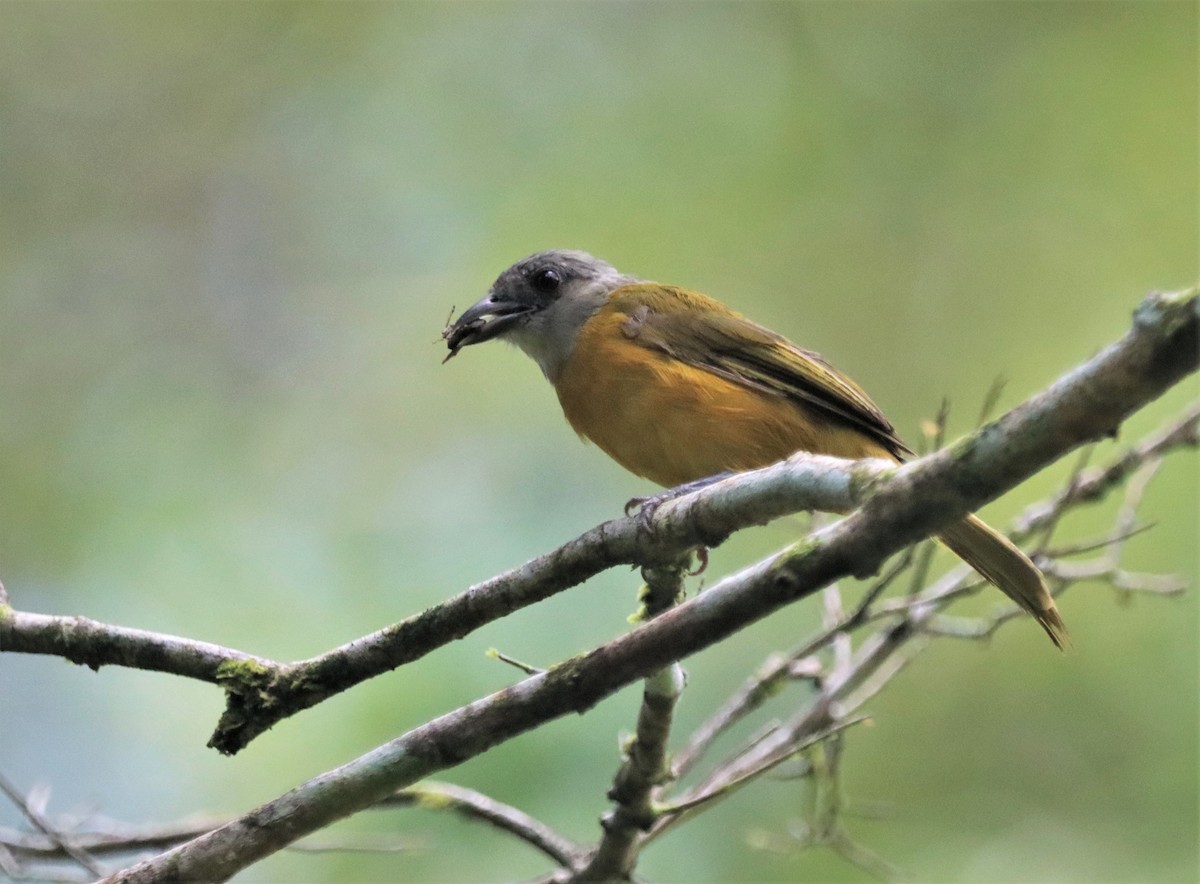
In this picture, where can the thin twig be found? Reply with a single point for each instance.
(777, 668)
(697, 800)
(817, 716)
(1099, 543)
(39, 822)
(991, 399)
(527, 668)
(1057, 509)
(107, 838)
(113, 838)
(1092, 485)
(475, 805)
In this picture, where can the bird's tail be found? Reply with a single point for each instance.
(995, 557)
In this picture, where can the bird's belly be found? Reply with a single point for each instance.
(673, 423)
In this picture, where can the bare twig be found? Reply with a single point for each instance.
(696, 800)
(991, 399)
(825, 827)
(1092, 485)
(1085, 546)
(108, 838)
(527, 668)
(777, 668)
(474, 805)
(1065, 500)
(38, 821)
(832, 708)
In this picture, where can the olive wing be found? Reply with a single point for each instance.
(702, 332)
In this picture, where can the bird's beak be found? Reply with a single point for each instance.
(482, 322)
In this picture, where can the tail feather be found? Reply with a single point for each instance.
(995, 557)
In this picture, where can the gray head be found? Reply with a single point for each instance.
(539, 304)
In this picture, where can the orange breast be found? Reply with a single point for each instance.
(673, 423)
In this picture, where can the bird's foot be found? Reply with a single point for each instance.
(645, 507)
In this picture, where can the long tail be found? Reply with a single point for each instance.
(995, 557)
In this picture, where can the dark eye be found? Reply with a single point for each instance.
(546, 280)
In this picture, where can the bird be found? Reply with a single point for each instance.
(680, 389)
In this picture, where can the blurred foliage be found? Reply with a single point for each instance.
(230, 234)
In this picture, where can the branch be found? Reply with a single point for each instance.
(911, 503)
(94, 644)
(261, 692)
(645, 766)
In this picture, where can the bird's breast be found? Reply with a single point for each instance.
(672, 422)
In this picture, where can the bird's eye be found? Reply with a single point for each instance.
(546, 280)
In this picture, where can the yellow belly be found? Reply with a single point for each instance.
(673, 423)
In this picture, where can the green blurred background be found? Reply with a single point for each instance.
(230, 235)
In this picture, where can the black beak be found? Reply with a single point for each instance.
(482, 322)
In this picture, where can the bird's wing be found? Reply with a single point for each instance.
(700, 331)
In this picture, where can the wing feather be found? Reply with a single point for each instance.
(702, 332)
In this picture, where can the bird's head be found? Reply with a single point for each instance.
(539, 304)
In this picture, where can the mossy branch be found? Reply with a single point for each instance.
(905, 505)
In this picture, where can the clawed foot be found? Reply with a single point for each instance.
(645, 507)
